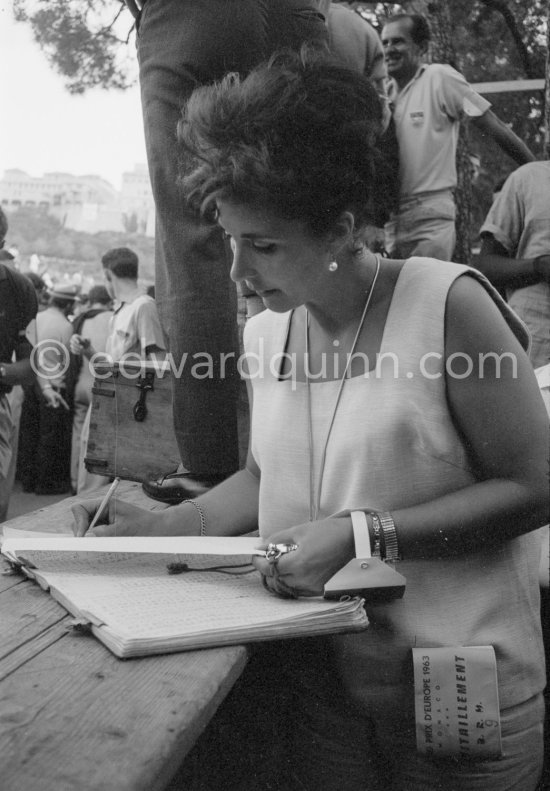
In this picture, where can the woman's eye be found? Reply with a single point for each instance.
(263, 247)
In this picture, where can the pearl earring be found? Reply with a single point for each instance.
(333, 266)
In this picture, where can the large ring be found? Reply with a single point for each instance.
(275, 551)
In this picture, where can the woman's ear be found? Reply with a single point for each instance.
(342, 230)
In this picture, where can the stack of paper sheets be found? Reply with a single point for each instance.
(122, 588)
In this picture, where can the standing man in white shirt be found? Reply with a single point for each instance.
(428, 101)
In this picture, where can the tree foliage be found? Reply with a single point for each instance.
(82, 39)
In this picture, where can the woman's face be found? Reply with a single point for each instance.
(279, 259)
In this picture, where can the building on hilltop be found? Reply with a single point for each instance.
(136, 199)
(86, 203)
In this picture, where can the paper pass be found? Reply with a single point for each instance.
(456, 701)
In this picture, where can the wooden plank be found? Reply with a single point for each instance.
(27, 651)
(27, 611)
(8, 578)
(76, 718)
(73, 717)
(508, 86)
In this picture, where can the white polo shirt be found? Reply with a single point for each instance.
(134, 326)
(426, 114)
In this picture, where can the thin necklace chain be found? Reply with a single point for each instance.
(315, 493)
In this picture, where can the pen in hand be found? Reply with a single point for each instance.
(104, 504)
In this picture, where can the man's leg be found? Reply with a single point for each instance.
(183, 44)
(29, 435)
(53, 455)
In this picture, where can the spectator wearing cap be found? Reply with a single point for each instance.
(45, 436)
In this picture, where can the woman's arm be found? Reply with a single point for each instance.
(504, 425)
(498, 410)
(231, 507)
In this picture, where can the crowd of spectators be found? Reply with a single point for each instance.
(69, 329)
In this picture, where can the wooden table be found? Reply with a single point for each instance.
(73, 717)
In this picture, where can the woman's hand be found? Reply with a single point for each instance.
(324, 547)
(121, 519)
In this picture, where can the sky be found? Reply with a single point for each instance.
(46, 129)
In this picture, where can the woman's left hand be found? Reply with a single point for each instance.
(324, 547)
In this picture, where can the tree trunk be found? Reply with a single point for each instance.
(502, 8)
(546, 151)
(442, 50)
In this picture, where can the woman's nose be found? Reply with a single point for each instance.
(240, 267)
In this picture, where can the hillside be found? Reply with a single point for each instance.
(33, 231)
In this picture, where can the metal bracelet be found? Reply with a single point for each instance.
(201, 515)
(390, 536)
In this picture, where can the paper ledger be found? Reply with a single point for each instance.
(122, 588)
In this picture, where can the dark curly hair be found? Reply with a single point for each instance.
(296, 136)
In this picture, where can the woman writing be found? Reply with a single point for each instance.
(395, 389)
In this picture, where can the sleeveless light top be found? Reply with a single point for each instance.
(393, 444)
